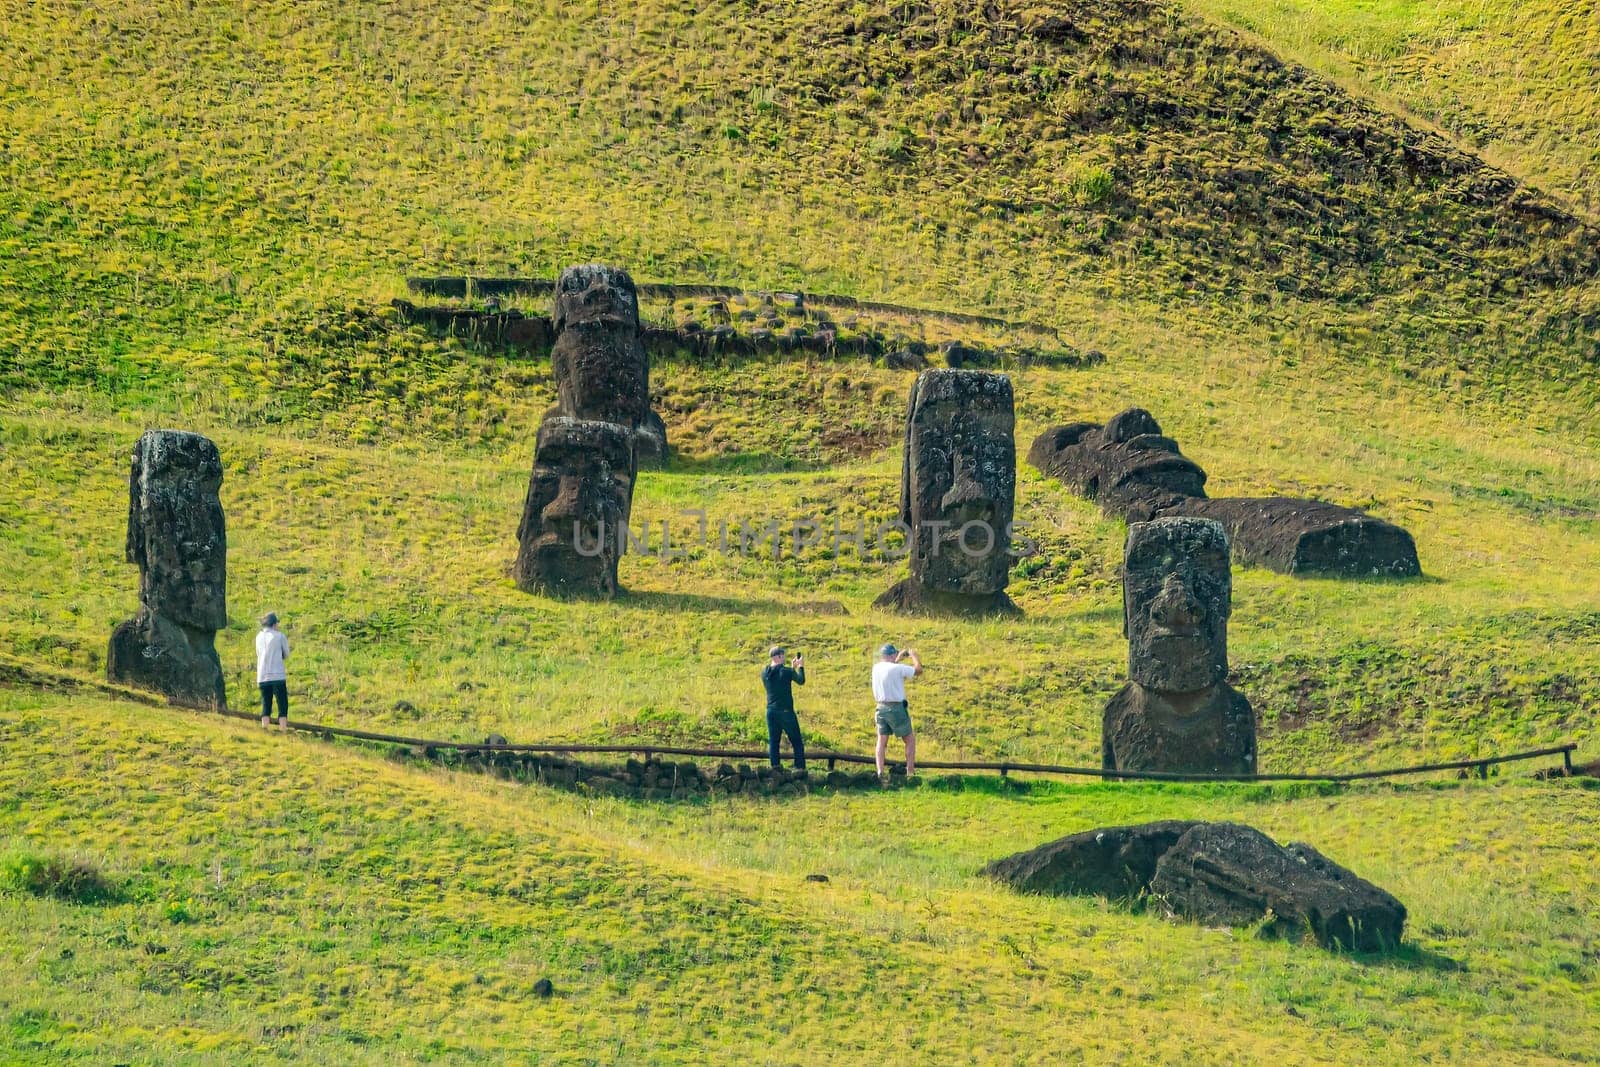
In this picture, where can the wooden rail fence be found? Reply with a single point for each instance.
(1479, 764)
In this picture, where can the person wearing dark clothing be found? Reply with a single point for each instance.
(778, 679)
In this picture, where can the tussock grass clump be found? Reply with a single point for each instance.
(74, 879)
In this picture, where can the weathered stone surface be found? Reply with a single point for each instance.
(579, 497)
(957, 492)
(650, 441)
(1146, 730)
(1177, 713)
(601, 366)
(1126, 466)
(601, 370)
(177, 536)
(1235, 875)
(1135, 472)
(1293, 536)
(180, 662)
(1214, 873)
(1116, 861)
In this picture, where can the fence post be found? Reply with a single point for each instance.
(1566, 760)
(830, 763)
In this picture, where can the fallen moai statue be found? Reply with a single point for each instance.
(177, 536)
(579, 497)
(1178, 713)
(957, 490)
(1217, 874)
(1135, 472)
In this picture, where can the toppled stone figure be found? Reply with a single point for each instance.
(957, 490)
(177, 536)
(1134, 471)
(1214, 873)
(1178, 713)
(601, 367)
(579, 498)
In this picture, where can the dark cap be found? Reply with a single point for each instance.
(777, 650)
(269, 619)
(888, 650)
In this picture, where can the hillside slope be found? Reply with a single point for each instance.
(281, 901)
(1518, 80)
(175, 180)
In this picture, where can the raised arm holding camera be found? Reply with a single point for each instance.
(889, 676)
(778, 678)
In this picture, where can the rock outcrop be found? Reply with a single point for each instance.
(1135, 472)
(1216, 874)
(1178, 714)
(178, 538)
(957, 491)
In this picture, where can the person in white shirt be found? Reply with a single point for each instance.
(889, 676)
(272, 648)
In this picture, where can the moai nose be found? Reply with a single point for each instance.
(1175, 607)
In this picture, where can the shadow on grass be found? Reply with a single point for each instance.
(742, 463)
(1410, 957)
(699, 602)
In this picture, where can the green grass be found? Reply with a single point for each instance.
(306, 907)
(1514, 81)
(203, 213)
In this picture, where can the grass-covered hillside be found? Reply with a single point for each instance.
(1513, 79)
(271, 901)
(205, 210)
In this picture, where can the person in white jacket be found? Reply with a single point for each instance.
(272, 648)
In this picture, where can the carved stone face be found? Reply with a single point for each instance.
(579, 497)
(601, 368)
(1177, 593)
(176, 531)
(959, 480)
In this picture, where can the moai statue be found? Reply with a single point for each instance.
(579, 497)
(177, 537)
(1178, 713)
(1135, 472)
(957, 488)
(601, 367)
(1128, 466)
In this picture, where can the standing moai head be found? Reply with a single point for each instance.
(1177, 594)
(601, 368)
(1177, 714)
(177, 536)
(579, 498)
(959, 480)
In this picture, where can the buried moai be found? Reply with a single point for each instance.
(576, 512)
(957, 490)
(602, 370)
(176, 535)
(1178, 713)
(1136, 473)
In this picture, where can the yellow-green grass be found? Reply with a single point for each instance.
(286, 900)
(388, 563)
(177, 181)
(1516, 80)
